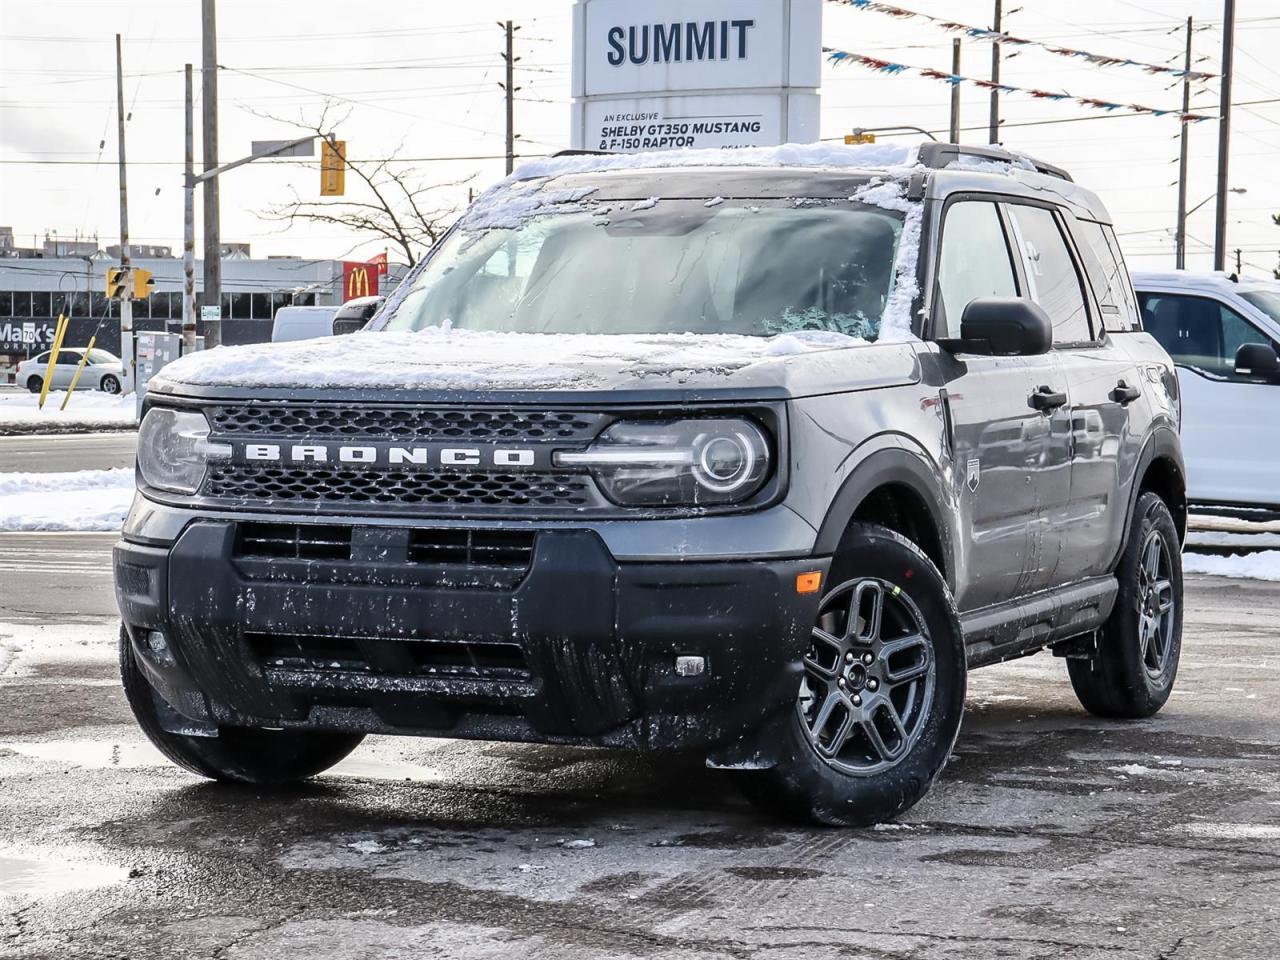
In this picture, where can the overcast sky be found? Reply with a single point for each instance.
(419, 80)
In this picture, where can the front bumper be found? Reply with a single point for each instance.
(572, 647)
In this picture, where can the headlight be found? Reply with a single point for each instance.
(174, 449)
(676, 463)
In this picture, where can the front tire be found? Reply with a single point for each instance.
(1133, 667)
(236, 754)
(110, 383)
(880, 705)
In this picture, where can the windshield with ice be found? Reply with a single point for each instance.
(755, 267)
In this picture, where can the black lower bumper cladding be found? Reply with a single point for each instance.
(538, 636)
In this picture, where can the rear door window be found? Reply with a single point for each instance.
(1052, 279)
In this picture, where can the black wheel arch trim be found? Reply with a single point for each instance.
(1161, 444)
(897, 461)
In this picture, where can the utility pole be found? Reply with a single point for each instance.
(511, 88)
(189, 223)
(994, 131)
(126, 295)
(212, 227)
(1181, 233)
(1224, 133)
(955, 92)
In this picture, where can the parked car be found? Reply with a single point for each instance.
(102, 370)
(661, 456)
(1224, 337)
(302, 323)
(355, 313)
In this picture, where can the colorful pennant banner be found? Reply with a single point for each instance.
(982, 33)
(889, 67)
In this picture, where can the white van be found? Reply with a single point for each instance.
(1224, 336)
(302, 323)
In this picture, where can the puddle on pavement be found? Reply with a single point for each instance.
(25, 876)
(90, 754)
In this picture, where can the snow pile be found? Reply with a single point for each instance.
(84, 500)
(445, 359)
(88, 408)
(23, 647)
(1264, 565)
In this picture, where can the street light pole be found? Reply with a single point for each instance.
(994, 132)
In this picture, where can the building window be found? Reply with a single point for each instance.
(304, 299)
(261, 306)
(42, 304)
(6, 303)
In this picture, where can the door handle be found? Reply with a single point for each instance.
(1124, 394)
(1046, 399)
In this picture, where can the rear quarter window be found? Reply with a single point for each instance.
(1108, 276)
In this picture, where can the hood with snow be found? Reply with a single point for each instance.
(459, 363)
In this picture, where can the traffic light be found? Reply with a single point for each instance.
(143, 283)
(117, 280)
(859, 137)
(333, 168)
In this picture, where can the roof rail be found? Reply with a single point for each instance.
(939, 155)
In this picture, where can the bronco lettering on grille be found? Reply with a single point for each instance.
(387, 455)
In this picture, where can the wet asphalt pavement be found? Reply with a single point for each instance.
(1051, 834)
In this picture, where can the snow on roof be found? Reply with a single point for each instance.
(445, 359)
(866, 156)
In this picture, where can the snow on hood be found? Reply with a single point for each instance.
(444, 359)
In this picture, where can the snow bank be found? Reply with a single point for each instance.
(445, 359)
(85, 500)
(1264, 565)
(88, 408)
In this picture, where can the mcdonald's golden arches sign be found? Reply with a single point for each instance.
(359, 280)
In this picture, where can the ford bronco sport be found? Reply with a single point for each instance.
(748, 453)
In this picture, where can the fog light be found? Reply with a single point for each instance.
(690, 666)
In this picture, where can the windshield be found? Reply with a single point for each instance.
(1268, 301)
(671, 266)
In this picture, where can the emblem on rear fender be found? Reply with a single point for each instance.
(973, 475)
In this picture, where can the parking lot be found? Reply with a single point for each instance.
(1051, 834)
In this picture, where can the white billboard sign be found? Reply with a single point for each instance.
(669, 74)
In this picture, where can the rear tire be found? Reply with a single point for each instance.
(35, 384)
(110, 384)
(1132, 670)
(236, 754)
(880, 705)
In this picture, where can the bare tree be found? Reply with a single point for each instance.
(391, 200)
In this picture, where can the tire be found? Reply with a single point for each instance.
(35, 384)
(1135, 661)
(877, 769)
(110, 384)
(236, 754)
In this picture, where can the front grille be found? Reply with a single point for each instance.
(313, 486)
(372, 655)
(424, 424)
(307, 484)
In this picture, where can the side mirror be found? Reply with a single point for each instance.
(1002, 327)
(1258, 360)
(345, 326)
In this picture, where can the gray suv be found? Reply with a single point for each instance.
(861, 422)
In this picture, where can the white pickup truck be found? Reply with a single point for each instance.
(1224, 337)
